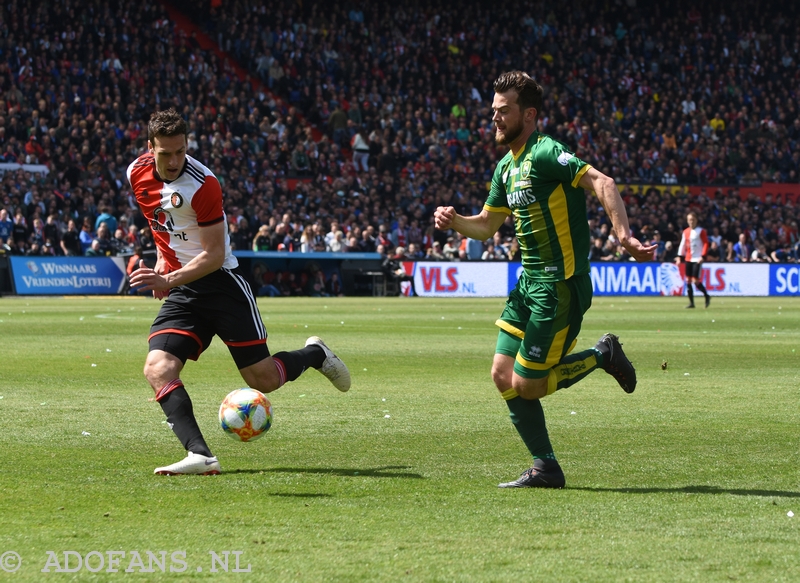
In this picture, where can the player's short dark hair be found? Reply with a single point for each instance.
(166, 123)
(529, 92)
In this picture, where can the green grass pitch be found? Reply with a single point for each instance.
(694, 477)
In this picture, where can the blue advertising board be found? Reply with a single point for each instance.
(667, 279)
(643, 279)
(67, 275)
(784, 279)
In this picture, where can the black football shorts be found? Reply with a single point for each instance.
(222, 304)
(693, 269)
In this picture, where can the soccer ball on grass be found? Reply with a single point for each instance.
(245, 414)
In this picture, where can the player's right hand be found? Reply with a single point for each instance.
(148, 279)
(443, 217)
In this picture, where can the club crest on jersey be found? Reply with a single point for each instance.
(525, 169)
(176, 199)
(162, 221)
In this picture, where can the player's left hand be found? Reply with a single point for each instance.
(640, 252)
(146, 279)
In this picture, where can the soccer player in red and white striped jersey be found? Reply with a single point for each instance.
(205, 293)
(693, 249)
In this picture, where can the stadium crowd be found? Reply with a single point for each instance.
(354, 122)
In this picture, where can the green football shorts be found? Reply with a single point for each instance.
(541, 322)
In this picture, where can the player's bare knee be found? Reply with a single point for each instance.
(160, 368)
(501, 378)
(502, 371)
(530, 389)
(152, 372)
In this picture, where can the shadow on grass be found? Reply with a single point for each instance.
(299, 495)
(694, 490)
(382, 472)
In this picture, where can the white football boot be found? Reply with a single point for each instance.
(333, 368)
(194, 463)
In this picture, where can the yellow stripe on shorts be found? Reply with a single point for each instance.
(553, 356)
(513, 330)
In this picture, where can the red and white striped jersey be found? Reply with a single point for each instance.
(176, 210)
(694, 244)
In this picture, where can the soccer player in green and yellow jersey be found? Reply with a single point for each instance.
(541, 185)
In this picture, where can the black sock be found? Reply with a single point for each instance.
(690, 291)
(701, 288)
(297, 361)
(177, 406)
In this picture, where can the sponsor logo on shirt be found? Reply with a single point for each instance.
(521, 198)
(162, 221)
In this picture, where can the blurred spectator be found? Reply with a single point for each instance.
(106, 217)
(670, 252)
(741, 250)
(334, 285)
(85, 236)
(435, 252)
(105, 245)
(360, 151)
(261, 242)
(70, 240)
(759, 254)
(94, 250)
(714, 253)
(393, 269)
(414, 253)
(450, 249)
(336, 244)
(6, 228)
(317, 284)
(599, 252)
(471, 249)
(492, 253)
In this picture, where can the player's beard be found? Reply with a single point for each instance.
(510, 134)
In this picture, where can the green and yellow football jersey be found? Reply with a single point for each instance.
(539, 187)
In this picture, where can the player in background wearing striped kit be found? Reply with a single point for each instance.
(692, 250)
(205, 294)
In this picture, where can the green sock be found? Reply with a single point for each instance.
(527, 417)
(572, 369)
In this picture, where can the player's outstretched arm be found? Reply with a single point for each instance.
(481, 226)
(606, 190)
(211, 258)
